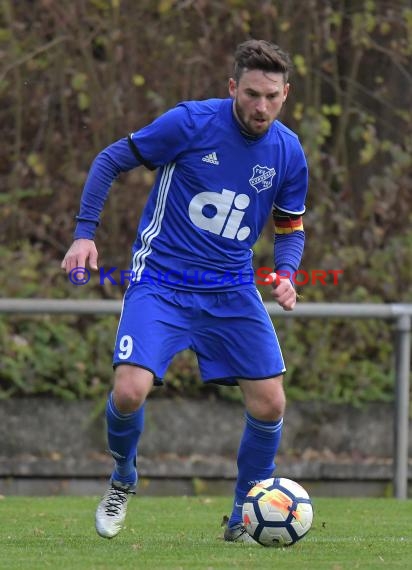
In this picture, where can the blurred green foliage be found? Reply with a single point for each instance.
(77, 75)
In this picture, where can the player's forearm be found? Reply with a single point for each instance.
(288, 250)
(106, 167)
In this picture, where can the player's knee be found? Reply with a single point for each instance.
(131, 386)
(272, 409)
(269, 408)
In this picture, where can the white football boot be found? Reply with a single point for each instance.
(238, 533)
(112, 509)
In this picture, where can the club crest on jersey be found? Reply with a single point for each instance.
(262, 177)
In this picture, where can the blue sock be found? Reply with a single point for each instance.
(123, 433)
(255, 460)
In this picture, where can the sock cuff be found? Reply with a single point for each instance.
(261, 425)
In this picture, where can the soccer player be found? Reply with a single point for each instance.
(223, 166)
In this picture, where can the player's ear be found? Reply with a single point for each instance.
(232, 87)
(285, 91)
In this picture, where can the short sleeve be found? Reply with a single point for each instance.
(161, 141)
(292, 195)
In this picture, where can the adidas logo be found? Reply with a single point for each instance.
(211, 158)
(116, 455)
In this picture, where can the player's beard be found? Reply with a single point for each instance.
(247, 123)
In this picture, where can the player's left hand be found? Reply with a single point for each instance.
(283, 291)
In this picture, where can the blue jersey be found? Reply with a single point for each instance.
(213, 193)
(214, 190)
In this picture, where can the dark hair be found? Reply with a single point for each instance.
(262, 55)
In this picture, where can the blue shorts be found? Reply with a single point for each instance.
(230, 332)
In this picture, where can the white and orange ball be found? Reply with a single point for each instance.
(277, 512)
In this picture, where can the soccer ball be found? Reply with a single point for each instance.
(277, 512)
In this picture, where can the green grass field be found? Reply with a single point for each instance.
(184, 533)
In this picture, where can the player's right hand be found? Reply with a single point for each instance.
(81, 252)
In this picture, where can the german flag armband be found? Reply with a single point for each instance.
(287, 223)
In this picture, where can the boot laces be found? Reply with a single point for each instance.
(115, 500)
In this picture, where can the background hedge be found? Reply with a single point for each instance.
(77, 75)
